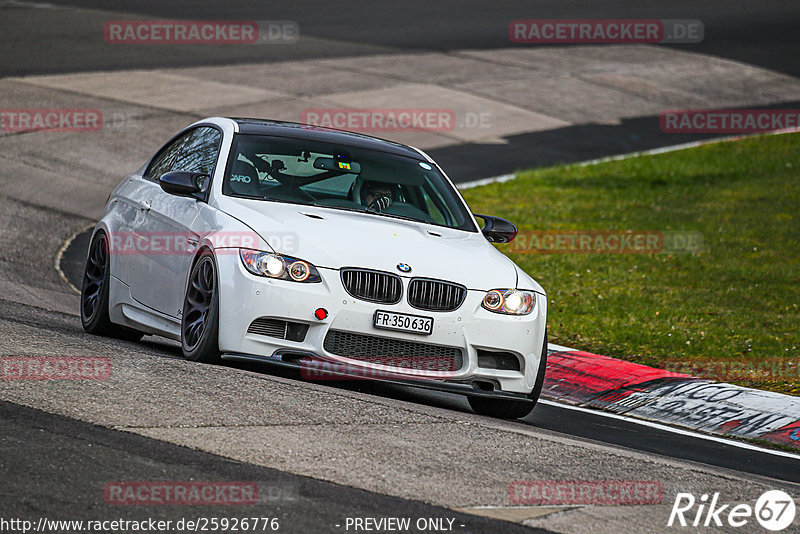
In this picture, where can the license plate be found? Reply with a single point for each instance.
(403, 322)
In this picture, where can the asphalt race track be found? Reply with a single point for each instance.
(324, 452)
(122, 456)
(761, 34)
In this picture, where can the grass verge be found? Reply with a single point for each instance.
(730, 311)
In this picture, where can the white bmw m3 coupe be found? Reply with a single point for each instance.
(333, 252)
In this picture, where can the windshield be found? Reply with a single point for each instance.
(314, 173)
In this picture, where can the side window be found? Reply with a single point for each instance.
(164, 160)
(200, 152)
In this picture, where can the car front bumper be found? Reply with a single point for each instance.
(244, 298)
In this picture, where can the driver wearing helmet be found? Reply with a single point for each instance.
(377, 196)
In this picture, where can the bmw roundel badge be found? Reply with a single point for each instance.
(404, 267)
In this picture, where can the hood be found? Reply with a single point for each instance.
(336, 238)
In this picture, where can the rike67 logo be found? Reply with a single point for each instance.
(774, 510)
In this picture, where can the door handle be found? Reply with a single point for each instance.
(143, 205)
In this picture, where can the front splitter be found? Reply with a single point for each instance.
(324, 370)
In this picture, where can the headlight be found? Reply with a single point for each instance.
(510, 301)
(278, 266)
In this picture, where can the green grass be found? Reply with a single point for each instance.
(736, 301)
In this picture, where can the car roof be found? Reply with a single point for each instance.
(319, 133)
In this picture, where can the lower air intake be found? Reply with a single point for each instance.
(393, 352)
(289, 330)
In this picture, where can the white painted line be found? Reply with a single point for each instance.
(559, 348)
(20, 4)
(653, 151)
(486, 181)
(674, 430)
(660, 150)
(60, 253)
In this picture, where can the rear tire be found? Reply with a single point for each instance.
(512, 409)
(94, 294)
(200, 319)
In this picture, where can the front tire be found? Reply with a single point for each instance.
(511, 409)
(200, 319)
(94, 294)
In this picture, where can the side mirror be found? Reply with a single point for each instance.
(183, 183)
(497, 230)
